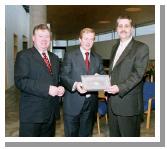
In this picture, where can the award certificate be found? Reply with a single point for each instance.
(95, 82)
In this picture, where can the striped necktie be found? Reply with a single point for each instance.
(46, 60)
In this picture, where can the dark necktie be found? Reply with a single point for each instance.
(46, 60)
(87, 62)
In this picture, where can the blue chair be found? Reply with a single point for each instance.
(102, 109)
(149, 100)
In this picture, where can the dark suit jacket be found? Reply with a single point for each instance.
(33, 80)
(127, 74)
(73, 68)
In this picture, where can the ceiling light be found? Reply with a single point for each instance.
(133, 9)
(104, 22)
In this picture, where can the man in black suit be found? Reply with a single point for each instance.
(80, 106)
(127, 67)
(37, 77)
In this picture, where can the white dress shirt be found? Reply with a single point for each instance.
(120, 50)
(83, 53)
(44, 51)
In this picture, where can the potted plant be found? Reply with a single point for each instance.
(151, 72)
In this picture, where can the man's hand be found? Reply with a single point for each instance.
(53, 91)
(80, 88)
(112, 89)
(96, 74)
(61, 91)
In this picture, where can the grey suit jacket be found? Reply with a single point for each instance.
(33, 80)
(73, 68)
(127, 74)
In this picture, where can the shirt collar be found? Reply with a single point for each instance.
(44, 51)
(84, 51)
(125, 43)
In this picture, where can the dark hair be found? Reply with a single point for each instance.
(86, 30)
(125, 17)
(41, 27)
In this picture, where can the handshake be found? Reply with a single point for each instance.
(56, 91)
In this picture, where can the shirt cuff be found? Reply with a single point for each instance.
(74, 86)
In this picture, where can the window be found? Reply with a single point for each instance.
(59, 51)
(139, 31)
(145, 30)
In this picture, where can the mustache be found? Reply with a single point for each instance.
(123, 32)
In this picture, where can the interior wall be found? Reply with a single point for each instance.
(150, 41)
(16, 22)
(104, 48)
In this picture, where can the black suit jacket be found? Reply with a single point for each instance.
(127, 74)
(73, 68)
(33, 80)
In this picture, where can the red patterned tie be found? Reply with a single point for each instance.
(46, 60)
(87, 62)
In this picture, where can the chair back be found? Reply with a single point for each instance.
(102, 107)
(148, 92)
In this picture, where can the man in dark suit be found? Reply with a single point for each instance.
(128, 63)
(80, 106)
(37, 77)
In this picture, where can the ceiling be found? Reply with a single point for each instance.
(67, 20)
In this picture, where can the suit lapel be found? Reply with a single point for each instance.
(125, 52)
(113, 52)
(80, 60)
(92, 63)
(52, 62)
(38, 57)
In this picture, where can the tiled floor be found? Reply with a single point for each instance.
(12, 119)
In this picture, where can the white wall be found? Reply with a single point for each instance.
(16, 22)
(104, 48)
(150, 41)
